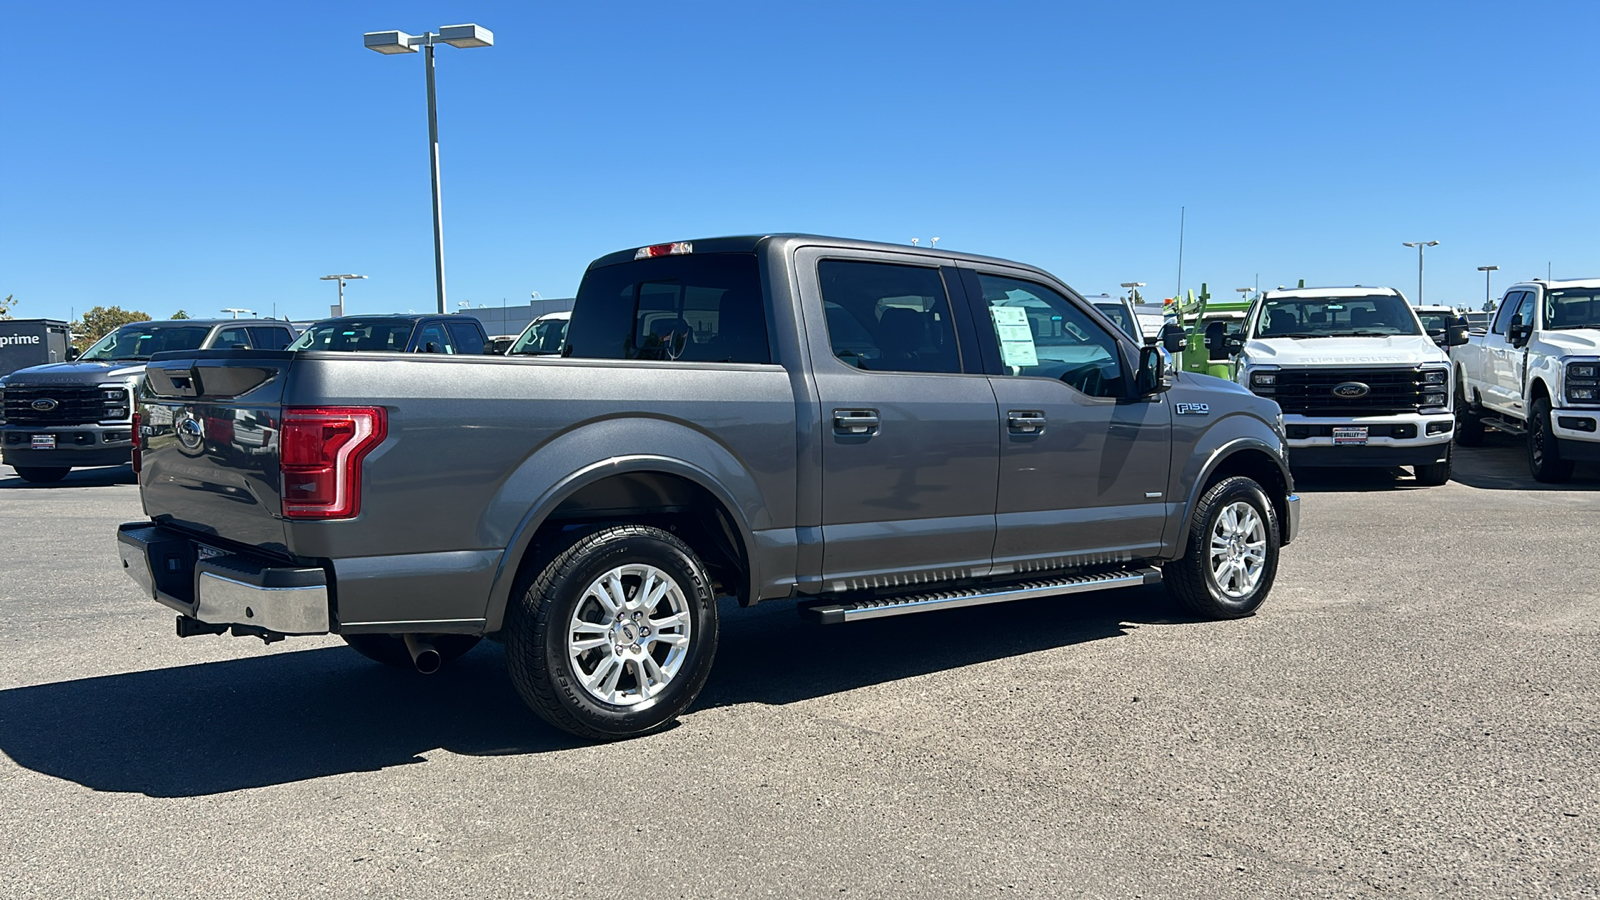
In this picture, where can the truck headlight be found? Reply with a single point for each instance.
(1435, 376)
(1582, 384)
(1263, 381)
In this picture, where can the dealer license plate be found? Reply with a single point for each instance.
(44, 442)
(1353, 434)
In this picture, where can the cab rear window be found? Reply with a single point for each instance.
(688, 308)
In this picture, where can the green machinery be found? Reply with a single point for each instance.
(1208, 323)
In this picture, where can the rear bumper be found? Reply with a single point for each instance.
(234, 589)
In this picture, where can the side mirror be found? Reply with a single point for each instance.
(1518, 333)
(1173, 338)
(1235, 344)
(1455, 333)
(72, 353)
(1155, 371)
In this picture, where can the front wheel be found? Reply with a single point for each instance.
(1232, 555)
(1544, 456)
(1434, 474)
(615, 635)
(43, 474)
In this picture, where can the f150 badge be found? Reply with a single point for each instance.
(1194, 409)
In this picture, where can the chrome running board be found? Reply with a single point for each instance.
(827, 613)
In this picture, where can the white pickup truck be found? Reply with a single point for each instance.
(1359, 381)
(1536, 372)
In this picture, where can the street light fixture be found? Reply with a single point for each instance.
(1486, 270)
(236, 310)
(1421, 246)
(339, 310)
(1133, 289)
(392, 42)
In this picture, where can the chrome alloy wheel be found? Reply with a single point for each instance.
(629, 635)
(1238, 549)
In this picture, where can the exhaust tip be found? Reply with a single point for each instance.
(423, 654)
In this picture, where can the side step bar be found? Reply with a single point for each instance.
(826, 613)
(1506, 425)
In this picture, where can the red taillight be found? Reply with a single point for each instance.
(320, 450)
(138, 460)
(678, 249)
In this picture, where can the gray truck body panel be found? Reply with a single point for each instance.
(482, 451)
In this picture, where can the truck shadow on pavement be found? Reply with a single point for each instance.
(275, 719)
(106, 476)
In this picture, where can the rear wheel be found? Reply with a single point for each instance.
(615, 635)
(1469, 420)
(43, 474)
(390, 649)
(1232, 556)
(1544, 455)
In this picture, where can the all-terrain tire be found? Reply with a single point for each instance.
(547, 672)
(1193, 580)
(43, 474)
(1469, 419)
(1544, 455)
(390, 649)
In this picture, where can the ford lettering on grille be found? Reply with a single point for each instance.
(1350, 390)
(45, 404)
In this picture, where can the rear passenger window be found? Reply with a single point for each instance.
(433, 340)
(705, 308)
(270, 338)
(888, 318)
(466, 338)
(232, 339)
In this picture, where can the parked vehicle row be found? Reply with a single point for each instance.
(862, 429)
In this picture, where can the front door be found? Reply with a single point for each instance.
(1083, 466)
(909, 433)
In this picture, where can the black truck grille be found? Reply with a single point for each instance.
(1310, 392)
(63, 405)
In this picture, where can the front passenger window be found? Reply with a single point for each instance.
(1043, 334)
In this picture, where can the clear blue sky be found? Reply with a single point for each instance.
(199, 156)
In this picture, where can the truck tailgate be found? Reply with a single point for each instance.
(209, 433)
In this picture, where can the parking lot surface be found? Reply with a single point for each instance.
(1415, 712)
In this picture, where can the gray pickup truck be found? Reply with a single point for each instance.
(862, 430)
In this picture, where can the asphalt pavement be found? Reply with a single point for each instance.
(1414, 712)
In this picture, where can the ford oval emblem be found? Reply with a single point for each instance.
(45, 404)
(1351, 390)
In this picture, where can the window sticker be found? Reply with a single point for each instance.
(1016, 338)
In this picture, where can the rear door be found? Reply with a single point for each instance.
(910, 432)
(1083, 466)
(209, 433)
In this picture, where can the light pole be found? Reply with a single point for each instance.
(339, 310)
(463, 37)
(1133, 289)
(1421, 246)
(236, 310)
(1244, 292)
(1486, 270)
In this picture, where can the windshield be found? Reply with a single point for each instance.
(141, 340)
(356, 335)
(1572, 308)
(1381, 315)
(1119, 316)
(543, 336)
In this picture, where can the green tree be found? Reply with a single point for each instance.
(100, 321)
(180, 314)
(5, 306)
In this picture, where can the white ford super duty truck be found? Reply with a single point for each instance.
(1359, 381)
(1536, 372)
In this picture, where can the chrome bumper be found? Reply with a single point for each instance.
(230, 589)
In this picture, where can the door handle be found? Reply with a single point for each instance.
(1025, 421)
(855, 421)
